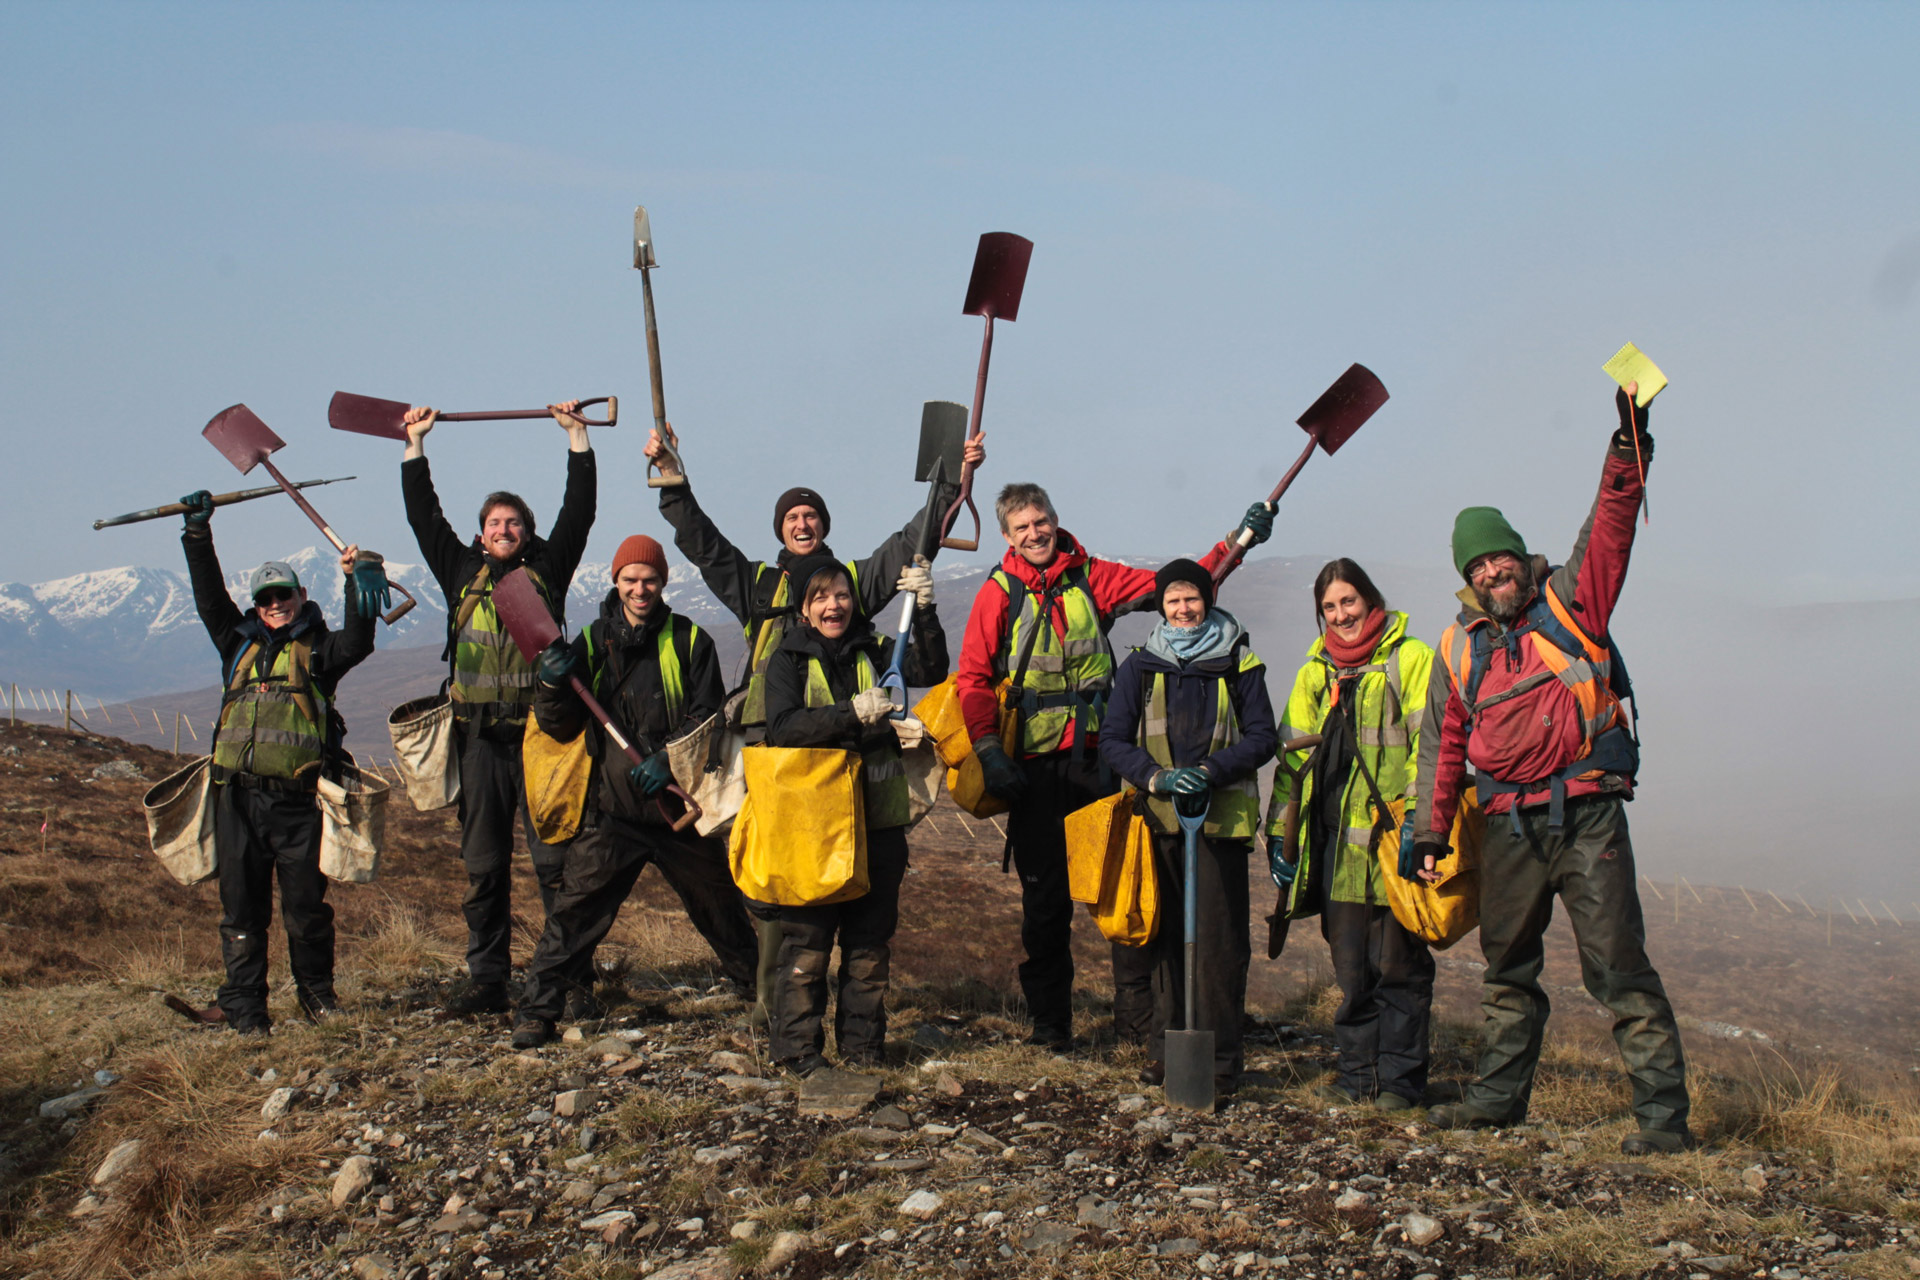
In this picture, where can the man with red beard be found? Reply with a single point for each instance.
(1531, 698)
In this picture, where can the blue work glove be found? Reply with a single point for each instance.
(1414, 854)
(1003, 779)
(1190, 781)
(1283, 871)
(371, 594)
(200, 503)
(653, 775)
(1259, 522)
(555, 664)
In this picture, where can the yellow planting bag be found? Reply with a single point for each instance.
(800, 839)
(557, 774)
(1448, 910)
(1128, 911)
(939, 710)
(1096, 839)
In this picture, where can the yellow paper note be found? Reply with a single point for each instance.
(1630, 364)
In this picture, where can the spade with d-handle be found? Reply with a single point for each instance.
(219, 500)
(246, 442)
(1329, 422)
(372, 416)
(1189, 1082)
(999, 277)
(943, 439)
(644, 262)
(524, 614)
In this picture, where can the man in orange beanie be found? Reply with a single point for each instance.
(657, 675)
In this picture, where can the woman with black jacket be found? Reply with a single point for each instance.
(823, 691)
(1189, 715)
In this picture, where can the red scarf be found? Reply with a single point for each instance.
(1360, 651)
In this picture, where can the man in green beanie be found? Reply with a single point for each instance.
(1532, 702)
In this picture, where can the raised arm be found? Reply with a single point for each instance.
(218, 613)
(341, 651)
(567, 541)
(727, 571)
(1596, 571)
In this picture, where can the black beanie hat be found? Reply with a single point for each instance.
(800, 496)
(804, 570)
(1187, 571)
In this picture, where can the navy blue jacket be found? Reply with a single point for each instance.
(1191, 699)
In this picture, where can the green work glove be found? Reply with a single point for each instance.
(1259, 522)
(1283, 871)
(652, 776)
(370, 593)
(1190, 781)
(200, 508)
(1003, 779)
(556, 663)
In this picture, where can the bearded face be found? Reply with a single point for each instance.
(1503, 585)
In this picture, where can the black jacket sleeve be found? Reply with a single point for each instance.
(1258, 736)
(1120, 728)
(440, 546)
(727, 572)
(339, 652)
(706, 687)
(568, 540)
(557, 708)
(927, 661)
(218, 613)
(881, 570)
(790, 722)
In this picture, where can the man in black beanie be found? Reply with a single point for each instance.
(764, 598)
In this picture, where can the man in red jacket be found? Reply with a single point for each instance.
(1531, 700)
(1060, 672)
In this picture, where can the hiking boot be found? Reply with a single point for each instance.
(1462, 1115)
(318, 1008)
(582, 1006)
(1392, 1102)
(1658, 1142)
(250, 1029)
(804, 1066)
(1052, 1036)
(479, 997)
(1334, 1096)
(1153, 1073)
(531, 1033)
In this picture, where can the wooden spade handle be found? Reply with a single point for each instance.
(505, 415)
(692, 812)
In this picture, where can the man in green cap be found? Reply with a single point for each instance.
(1533, 701)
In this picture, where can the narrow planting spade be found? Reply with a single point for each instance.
(999, 278)
(1329, 422)
(219, 500)
(372, 416)
(246, 442)
(644, 262)
(943, 439)
(1190, 1052)
(524, 614)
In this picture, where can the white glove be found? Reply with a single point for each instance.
(872, 705)
(911, 733)
(918, 578)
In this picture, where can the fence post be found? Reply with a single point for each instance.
(67, 719)
(176, 733)
(13, 704)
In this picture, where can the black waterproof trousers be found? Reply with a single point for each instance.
(1386, 989)
(260, 834)
(1225, 949)
(1036, 827)
(1589, 865)
(864, 927)
(492, 792)
(602, 865)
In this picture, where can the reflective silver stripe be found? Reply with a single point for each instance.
(482, 680)
(1046, 664)
(1081, 648)
(1362, 836)
(1393, 735)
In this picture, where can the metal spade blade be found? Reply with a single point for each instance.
(524, 614)
(943, 437)
(1189, 1064)
(999, 276)
(242, 438)
(1343, 408)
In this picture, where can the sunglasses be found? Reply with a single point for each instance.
(274, 595)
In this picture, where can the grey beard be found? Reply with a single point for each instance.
(1506, 615)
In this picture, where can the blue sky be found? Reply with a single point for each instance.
(212, 203)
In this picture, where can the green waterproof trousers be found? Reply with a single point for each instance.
(1589, 864)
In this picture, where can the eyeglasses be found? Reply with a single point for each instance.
(1487, 564)
(274, 595)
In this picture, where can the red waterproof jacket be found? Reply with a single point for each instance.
(1535, 735)
(1116, 590)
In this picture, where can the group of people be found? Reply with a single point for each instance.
(1525, 706)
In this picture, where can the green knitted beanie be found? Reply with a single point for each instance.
(1480, 530)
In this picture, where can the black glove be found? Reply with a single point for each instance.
(556, 663)
(1003, 779)
(1259, 522)
(1633, 418)
(1413, 856)
(200, 504)
(652, 776)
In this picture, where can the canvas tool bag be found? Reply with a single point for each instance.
(801, 836)
(707, 765)
(180, 822)
(353, 824)
(1448, 909)
(423, 735)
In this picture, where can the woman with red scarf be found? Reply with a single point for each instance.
(1362, 690)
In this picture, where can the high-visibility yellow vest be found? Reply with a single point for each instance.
(1234, 813)
(272, 724)
(1066, 676)
(883, 773)
(764, 632)
(673, 682)
(489, 675)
